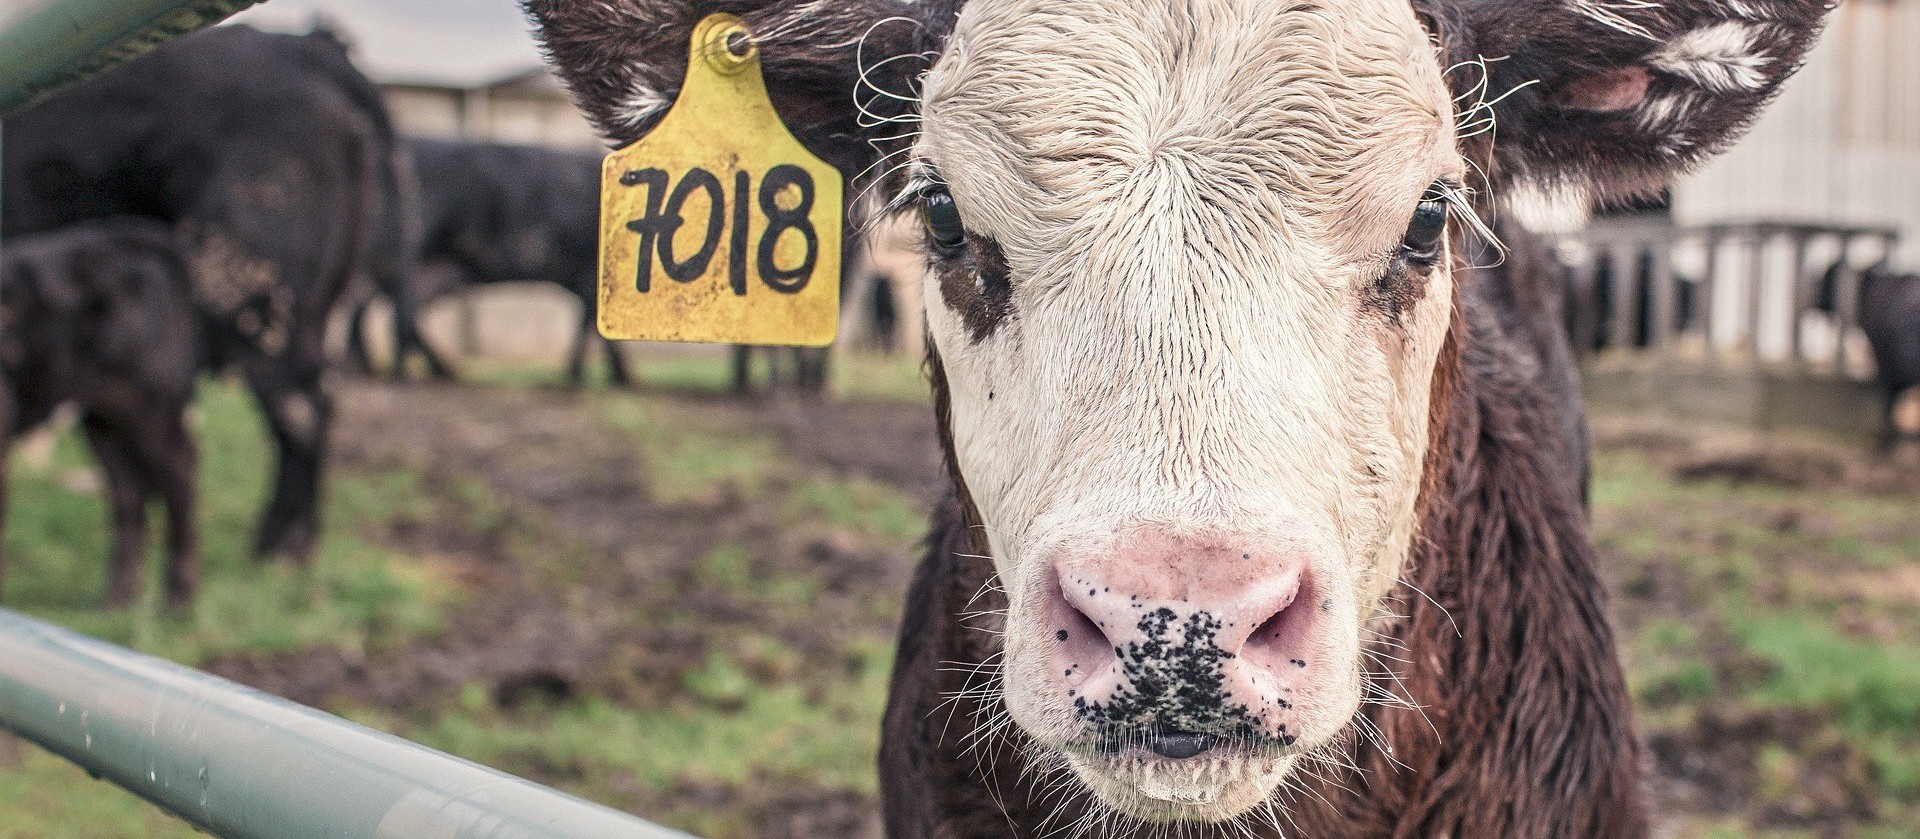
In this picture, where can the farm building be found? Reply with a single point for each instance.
(528, 107)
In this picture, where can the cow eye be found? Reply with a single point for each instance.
(1427, 230)
(942, 217)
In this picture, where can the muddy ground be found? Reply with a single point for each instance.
(583, 581)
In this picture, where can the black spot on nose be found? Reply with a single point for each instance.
(1180, 745)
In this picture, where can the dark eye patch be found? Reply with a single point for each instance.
(971, 269)
(974, 284)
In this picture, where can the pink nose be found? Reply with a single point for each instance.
(1181, 638)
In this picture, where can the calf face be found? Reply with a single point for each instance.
(1189, 287)
(1192, 272)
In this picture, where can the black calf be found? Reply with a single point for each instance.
(99, 315)
(266, 153)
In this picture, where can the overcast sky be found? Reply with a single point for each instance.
(456, 41)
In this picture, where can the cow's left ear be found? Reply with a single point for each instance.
(842, 75)
(1614, 98)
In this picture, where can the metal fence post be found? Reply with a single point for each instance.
(242, 764)
(46, 45)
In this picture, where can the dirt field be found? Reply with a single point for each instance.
(682, 604)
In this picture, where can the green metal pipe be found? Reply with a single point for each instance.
(46, 45)
(244, 765)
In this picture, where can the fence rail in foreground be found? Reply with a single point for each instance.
(242, 764)
(46, 45)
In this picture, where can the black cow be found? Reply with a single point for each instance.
(267, 154)
(1889, 314)
(100, 314)
(1590, 307)
(498, 213)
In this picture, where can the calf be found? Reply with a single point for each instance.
(498, 213)
(265, 153)
(1265, 463)
(99, 315)
(1889, 310)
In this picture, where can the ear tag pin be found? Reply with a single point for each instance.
(719, 226)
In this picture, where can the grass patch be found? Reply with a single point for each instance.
(872, 377)
(1746, 599)
(730, 732)
(685, 461)
(45, 797)
(355, 595)
(866, 507)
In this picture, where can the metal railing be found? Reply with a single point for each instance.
(46, 45)
(245, 765)
(1743, 293)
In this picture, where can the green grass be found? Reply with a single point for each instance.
(870, 377)
(730, 732)
(858, 376)
(354, 595)
(686, 462)
(1777, 610)
(45, 797)
(857, 505)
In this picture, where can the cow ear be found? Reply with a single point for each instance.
(1613, 98)
(841, 74)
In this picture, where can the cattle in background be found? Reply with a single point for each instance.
(1889, 314)
(100, 315)
(266, 155)
(499, 213)
(1591, 304)
(1265, 504)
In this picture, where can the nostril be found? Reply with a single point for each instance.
(1078, 631)
(1285, 629)
(1083, 647)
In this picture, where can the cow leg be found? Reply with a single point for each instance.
(357, 353)
(6, 449)
(169, 459)
(813, 363)
(616, 364)
(742, 369)
(407, 339)
(299, 414)
(577, 355)
(113, 445)
(1889, 426)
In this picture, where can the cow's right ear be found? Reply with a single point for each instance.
(841, 74)
(1613, 99)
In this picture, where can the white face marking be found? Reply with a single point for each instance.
(1195, 201)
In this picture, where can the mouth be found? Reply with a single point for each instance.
(1175, 746)
(1167, 775)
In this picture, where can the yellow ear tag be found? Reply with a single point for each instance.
(718, 226)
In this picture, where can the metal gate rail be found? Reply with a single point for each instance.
(245, 765)
(46, 45)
